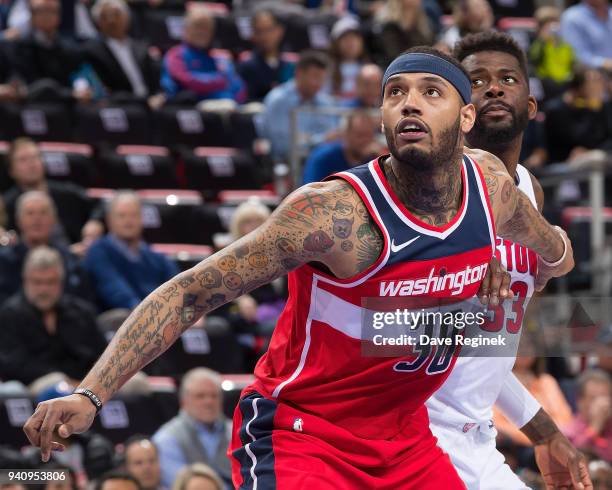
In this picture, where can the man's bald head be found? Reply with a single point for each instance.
(199, 28)
(368, 85)
(124, 217)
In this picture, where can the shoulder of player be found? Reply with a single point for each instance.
(496, 176)
(488, 163)
(537, 191)
(318, 200)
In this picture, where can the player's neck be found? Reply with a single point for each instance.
(432, 194)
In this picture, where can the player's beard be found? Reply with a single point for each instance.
(447, 150)
(485, 134)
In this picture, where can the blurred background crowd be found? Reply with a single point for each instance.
(138, 137)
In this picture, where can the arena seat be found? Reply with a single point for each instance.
(163, 28)
(242, 130)
(125, 124)
(237, 197)
(296, 32)
(207, 220)
(135, 167)
(186, 126)
(577, 222)
(212, 170)
(167, 215)
(49, 121)
(214, 346)
(70, 162)
(318, 27)
(228, 35)
(165, 223)
(186, 255)
(14, 412)
(125, 415)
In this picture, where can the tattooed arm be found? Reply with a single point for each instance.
(519, 221)
(325, 223)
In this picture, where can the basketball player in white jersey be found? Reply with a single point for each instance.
(460, 411)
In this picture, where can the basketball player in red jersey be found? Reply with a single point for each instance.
(417, 223)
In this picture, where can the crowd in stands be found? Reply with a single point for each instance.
(222, 94)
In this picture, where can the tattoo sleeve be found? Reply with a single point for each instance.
(313, 224)
(540, 428)
(515, 216)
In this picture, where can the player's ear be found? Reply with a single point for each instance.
(468, 117)
(532, 107)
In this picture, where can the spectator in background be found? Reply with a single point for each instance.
(124, 65)
(198, 476)
(303, 91)
(587, 27)
(44, 330)
(75, 22)
(248, 216)
(545, 389)
(142, 462)
(347, 55)
(47, 62)
(75, 209)
(266, 67)
(123, 268)
(200, 432)
(400, 25)
(580, 120)
(552, 58)
(367, 88)
(358, 145)
(36, 218)
(591, 429)
(117, 480)
(470, 17)
(193, 68)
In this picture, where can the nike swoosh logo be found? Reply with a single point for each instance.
(396, 248)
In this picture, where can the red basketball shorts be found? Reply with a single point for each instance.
(275, 446)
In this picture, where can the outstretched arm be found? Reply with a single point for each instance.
(322, 222)
(517, 220)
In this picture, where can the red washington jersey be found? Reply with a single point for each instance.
(315, 362)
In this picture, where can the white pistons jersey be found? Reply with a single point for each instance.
(469, 393)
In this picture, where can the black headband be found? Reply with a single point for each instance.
(429, 63)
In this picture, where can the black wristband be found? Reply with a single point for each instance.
(93, 398)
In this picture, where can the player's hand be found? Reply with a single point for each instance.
(74, 414)
(547, 272)
(495, 287)
(562, 465)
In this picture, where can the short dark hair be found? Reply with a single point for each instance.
(312, 59)
(491, 41)
(265, 12)
(439, 54)
(18, 143)
(116, 475)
